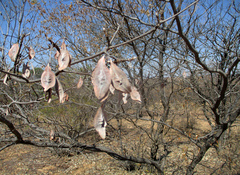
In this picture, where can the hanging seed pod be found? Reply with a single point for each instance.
(13, 52)
(101, 80)
(100, 122)
(60, 91)
(47, 78)
(135, 95)
(119, 79)
(64, 59)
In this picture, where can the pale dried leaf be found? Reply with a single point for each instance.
(60, 91)
(47, 78)
(100, 122)
(80, 83)
(5, 79)
(13, 52)
(31, 53)
(101, 80)
(119, 79)
(124, 97)
(135, 95)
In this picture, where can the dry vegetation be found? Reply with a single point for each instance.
(181, 56)
(24, 159)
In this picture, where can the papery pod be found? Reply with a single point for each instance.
(60, 91)
(135, 95)
(119, 79)
(101, 80)
(31, 53)
(80, 83)
(124, 97)
(26, 70)
(5, 79)
(64, 58)
(100, 122)
(47, 78)
(13, 52)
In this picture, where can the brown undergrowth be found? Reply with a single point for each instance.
(24, 159)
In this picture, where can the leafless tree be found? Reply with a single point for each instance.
(182, 56)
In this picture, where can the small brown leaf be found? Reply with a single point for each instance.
(31, 53)
(47, 78)
(135, 95)
(51, 135)
(66, 97)
(80, 83)
(60, 91)
(119, 79)
(100, 122)
(101, 80)
(13, 52)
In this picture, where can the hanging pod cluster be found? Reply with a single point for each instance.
(64, 57)
(48, 79)
(13, 54)
(105, 80)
